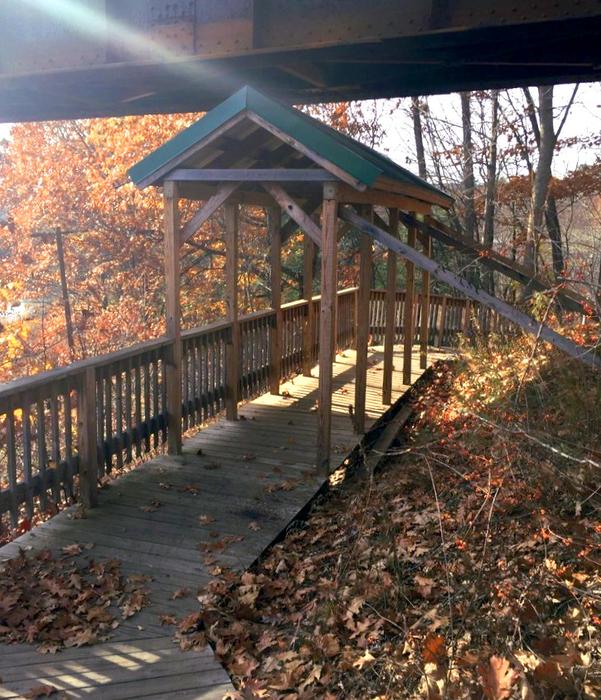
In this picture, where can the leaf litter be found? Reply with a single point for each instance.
(457, 572)
(56, 603)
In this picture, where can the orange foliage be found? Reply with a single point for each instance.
(73, 176)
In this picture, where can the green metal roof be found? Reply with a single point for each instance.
(359, 161)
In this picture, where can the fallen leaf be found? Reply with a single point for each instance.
(364, 660)
(181, 593)
(497, 678)
(71, 550)
(434, 650)
(167, 619)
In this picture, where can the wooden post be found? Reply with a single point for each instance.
(275, 237)
(390, 330)
(173, 321)
(443, 320)
(425, 313)
(365, 270)
(309, 326)
(87, 439)
(329, 255)
(232, 350)
(408, 330)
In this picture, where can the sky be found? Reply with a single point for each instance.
(584, 119)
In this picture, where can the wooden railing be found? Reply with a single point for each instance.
(61, 431)
(447, 318)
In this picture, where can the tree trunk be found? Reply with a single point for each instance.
(542, 176)
(468, 168)
(419, 137)
(554, 229)
(491, 186)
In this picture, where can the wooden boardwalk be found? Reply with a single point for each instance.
(230, 472)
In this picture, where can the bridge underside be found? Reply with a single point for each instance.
(70, 59)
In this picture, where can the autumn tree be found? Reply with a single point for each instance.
(71, 177)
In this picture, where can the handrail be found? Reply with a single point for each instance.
(63, 429)
(78, 367)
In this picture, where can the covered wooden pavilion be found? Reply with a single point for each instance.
(253, 150)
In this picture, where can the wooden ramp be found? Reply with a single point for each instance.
(232, 472)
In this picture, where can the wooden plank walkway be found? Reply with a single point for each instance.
(236, 468)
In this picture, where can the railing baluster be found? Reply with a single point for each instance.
(155, 398)
(12, 466)
(27, 473)
(147, 415)
(42, 458)
(68, 421)
(56, 452)
(100, 422)
(108, 419)
(128, 414)
(164, 395)
(119, 414)
(138, 407)
(193, 420)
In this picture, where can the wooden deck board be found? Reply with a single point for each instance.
(233, 465)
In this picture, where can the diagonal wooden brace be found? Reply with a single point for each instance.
(527, 323)
(208, 209)
(294, 211)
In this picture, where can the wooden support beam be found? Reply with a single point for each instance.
(365, 272)
(329, 256)
(202, 192)
(87, 439)
(390, 329)
(232, 349)
(250, 175)
(418, 191)
(408, 327)
(527, 323)
(173, 319)
(350, 195)
(275, 238)
(287, 204)
(208, 209)
(309, 325)
(424, 330)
